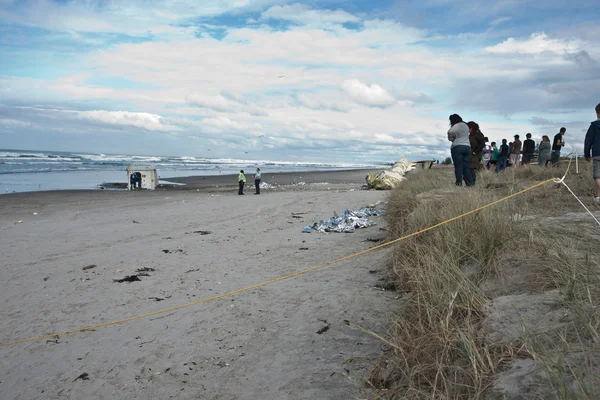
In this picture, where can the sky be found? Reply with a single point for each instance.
(317, 80)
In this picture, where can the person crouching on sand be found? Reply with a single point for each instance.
(241, 181)
(257, 177)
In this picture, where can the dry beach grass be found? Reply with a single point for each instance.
(499, 304)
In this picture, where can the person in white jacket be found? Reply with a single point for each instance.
(460, 149)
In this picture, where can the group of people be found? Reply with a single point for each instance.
(548, 153)
(242, 181)
(471, 153)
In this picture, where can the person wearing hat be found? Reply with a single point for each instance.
(515, 151)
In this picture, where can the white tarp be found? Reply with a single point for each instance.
(390, 178)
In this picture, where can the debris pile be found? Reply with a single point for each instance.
(390, 178)
(347, 222)
(265, 185)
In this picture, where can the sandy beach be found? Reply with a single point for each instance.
(261, 344)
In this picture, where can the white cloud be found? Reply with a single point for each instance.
(228, 90)
(225, 124)
(315, 103)
(499, 21)
(13, 123)
(536, 44)
(144, 120)
(373, 95)
(302, 14)
(132, 17)
(218, 103)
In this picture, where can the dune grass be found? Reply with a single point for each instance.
(439, 351)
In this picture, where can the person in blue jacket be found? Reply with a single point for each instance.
(591, 150)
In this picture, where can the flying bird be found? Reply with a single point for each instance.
(261, 136)
(281, 76)
(246, 152)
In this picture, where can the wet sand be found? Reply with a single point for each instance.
(258, 344)
(283, 178)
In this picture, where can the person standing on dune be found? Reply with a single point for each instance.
(515, 152)
(528, 150)
(557, 145)
(591, 151)
(460, 150)
(477, 141)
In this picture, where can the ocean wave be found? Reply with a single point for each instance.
(26, 161)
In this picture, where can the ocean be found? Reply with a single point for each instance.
(28, 171)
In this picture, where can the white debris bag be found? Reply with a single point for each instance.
(390, 178)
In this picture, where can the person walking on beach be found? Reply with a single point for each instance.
(241, 182)
(515, 151)
(477, 141)
(528, 149)
(545, 149)
(591, 150)
(257, 177)
(557, 145)
(460, 150)
(501, 163)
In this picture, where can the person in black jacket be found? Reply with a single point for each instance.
(557, 144)
(477, 141)
(501, 164)
(528, 149)
(591, 150)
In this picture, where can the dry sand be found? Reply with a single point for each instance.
(261, 344)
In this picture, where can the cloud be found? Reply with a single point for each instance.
(218, 102)
(537, 43)
(133, 17)
(302, 14)
(221, 123)
(413, 97)
(342, 89)
(151, 122)
(541, 121)
(499, 21)
(373, 95)
(315, 103)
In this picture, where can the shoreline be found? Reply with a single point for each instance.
(223, 183)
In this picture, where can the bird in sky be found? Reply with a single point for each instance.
(246, 152)
(281, 76)
(261, 136)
